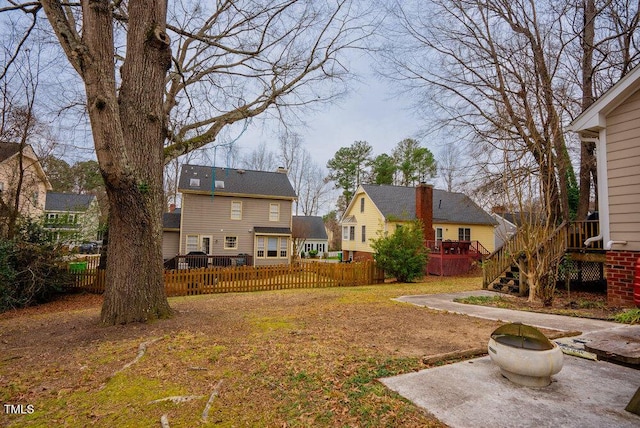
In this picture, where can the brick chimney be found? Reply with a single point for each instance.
(424, 209)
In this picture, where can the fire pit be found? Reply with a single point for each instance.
(525, 355)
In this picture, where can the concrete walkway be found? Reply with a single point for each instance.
(473, 393)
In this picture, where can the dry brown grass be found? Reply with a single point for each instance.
(285, 358)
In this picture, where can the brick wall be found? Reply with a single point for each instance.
(359, 256)
(620, 266)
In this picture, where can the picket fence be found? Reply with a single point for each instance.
(251, 278)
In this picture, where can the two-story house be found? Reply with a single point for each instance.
(228, 212)
(20, 167)
(447, 216)
(72, 218)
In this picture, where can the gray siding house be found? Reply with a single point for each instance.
(612, 122)
(228, 212)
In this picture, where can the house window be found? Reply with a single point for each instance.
(345, 233)
(71, 218)
(192, 243)
(308, 247)
(283, 247)
(272, 247)
(464, 234)
(52, 217)
(321, 248)
(260, 246)
(274, 212)
(194, 182)
(352, 233)
(236, 210)
(364, 233)
(230, 242)
(439, 233)
(362, 204)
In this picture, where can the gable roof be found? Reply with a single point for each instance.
(7, 150)
(399, 203)
(309, 227)
(199, 179)
(593, 118)
(68, 202)
(171, 220)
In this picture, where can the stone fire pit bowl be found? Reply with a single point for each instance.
(525, 355)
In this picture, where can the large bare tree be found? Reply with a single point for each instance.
(514, 73)
(163, 78)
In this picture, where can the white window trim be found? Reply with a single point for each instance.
(274, 215)
(186, 243)
(230, 248)
(232, 210)
(282, 247)
(260, 246)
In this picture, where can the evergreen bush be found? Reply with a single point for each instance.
(32, 269)
(403, 254)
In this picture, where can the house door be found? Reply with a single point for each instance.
(205, 244)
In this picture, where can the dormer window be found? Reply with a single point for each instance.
(194, 182)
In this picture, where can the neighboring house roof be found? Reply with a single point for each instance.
(199, 179)
(171, 220)
(399, 203)
(594, 117)
(273, 230)
(519, 218)
(309, 227)
(68, 202)
(9, 150)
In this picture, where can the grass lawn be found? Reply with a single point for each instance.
(277, 358)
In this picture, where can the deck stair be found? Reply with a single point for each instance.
(502, 269)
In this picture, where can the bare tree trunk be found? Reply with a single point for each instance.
(128, 131)
(587, 157)
(135, 190)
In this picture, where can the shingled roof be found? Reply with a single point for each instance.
(399, 203)
(171, 220)
(68, 202)
(7, 150)
(199, 179)
(309, 227)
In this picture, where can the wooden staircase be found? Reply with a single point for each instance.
(502, 269)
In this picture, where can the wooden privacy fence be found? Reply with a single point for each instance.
(249, 278)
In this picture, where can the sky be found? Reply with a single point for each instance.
(368, 113)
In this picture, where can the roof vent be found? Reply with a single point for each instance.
(241, 171)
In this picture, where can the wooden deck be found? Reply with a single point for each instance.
(450, 258)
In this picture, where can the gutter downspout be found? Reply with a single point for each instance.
(612, 243)
(603, 188)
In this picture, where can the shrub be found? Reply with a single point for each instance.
(31, 269)
(630, 316)
(402, 254)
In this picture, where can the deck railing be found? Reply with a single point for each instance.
(499, 261)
